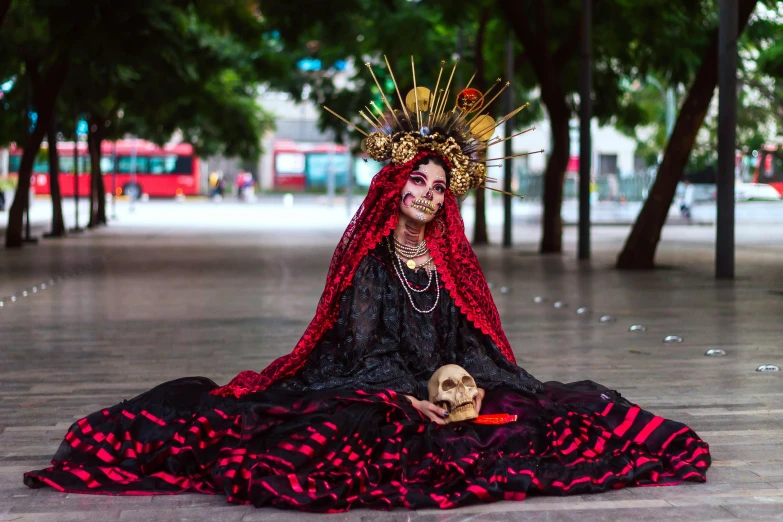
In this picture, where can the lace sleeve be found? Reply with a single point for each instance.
(362, 350)
(483, 360)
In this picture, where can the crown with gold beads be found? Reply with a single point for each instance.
(461, 134)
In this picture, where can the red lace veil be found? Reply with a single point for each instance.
(376, 218)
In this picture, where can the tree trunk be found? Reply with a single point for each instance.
(552, 226)
(58, 224)
(530, 22)
(639, 250)
(480, 236)
(32, 144)
(101, 216)
(97, 189)
(45, 92)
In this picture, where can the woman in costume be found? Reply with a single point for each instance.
(355, 415)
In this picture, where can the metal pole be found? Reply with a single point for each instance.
(134, 191)
(508, 163)
(76, 176)
(114, 180)
(727, 135)
(585, 113)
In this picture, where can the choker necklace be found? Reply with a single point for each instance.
(409, 252)
(406, 285)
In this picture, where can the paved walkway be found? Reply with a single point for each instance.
(201, 289)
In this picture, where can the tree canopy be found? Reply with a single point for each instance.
(195, 68)
(632, 39)
(187, 67)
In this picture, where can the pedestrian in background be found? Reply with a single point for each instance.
(687, 200)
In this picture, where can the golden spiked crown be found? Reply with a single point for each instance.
(461, 134)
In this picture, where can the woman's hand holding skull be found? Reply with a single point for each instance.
(437, 414)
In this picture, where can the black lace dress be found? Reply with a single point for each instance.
(380, 341)
(340, 434)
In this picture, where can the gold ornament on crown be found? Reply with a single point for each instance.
(461, 134)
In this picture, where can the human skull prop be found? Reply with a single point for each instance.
(453, 389)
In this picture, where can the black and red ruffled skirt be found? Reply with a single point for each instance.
(333, 451)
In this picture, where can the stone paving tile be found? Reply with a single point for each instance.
(54, 501)
(213, 514)
(577, 512)
(763, 496)
(737, 477)
(158, 303)
(614, 494)
(757, 511)
(58, 516)
(358, 515)
(709, 491)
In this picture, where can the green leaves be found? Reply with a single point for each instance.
(186, 65)
(167, 66)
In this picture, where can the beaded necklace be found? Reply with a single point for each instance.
(406, 285)
(410, 252)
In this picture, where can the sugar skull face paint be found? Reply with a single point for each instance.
(424, 192)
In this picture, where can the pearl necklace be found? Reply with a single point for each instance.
(407, 287)
(410, 251)
(411, 264)
(407, 283)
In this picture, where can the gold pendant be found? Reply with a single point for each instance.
(411, 264)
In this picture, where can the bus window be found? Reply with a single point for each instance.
(182, 165)
(164, 165)
(107, 164)
(40, 166)
(320, 165)
(66, 164)
(126, 165)
(157, 165)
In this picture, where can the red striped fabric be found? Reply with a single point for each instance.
(333, 452)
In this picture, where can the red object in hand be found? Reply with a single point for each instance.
(495, 418)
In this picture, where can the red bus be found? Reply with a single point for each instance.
(769, 168)
(302, 166)
(141, 168)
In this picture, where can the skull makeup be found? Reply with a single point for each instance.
(453, 389)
